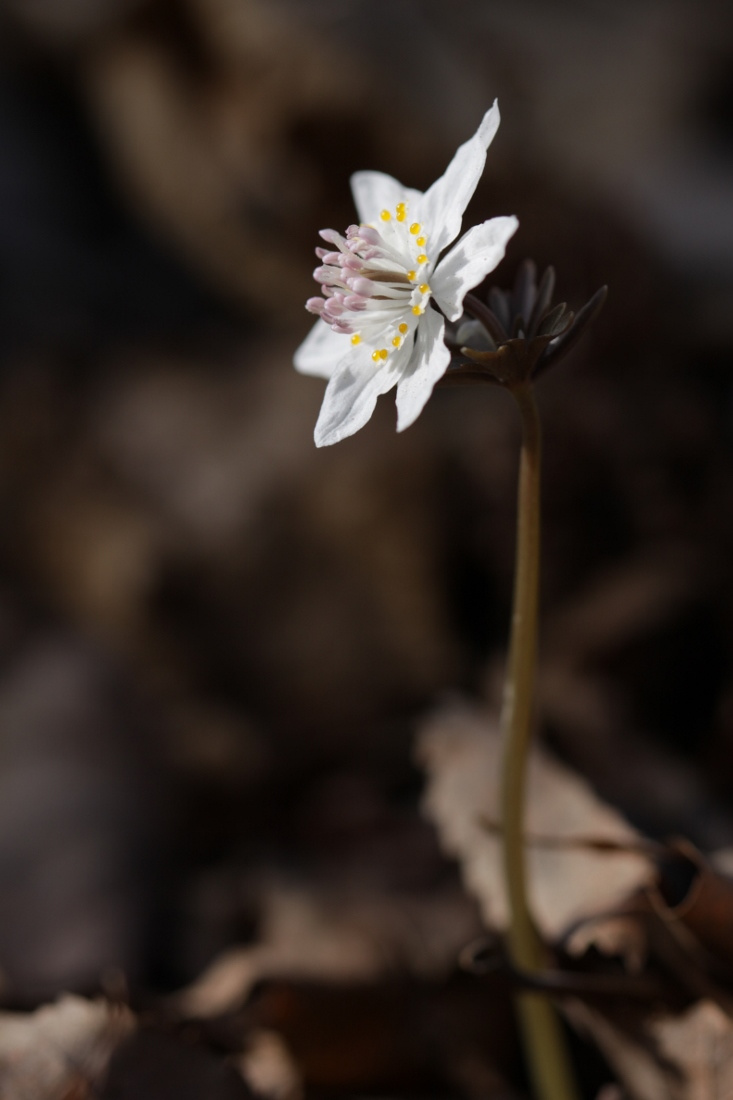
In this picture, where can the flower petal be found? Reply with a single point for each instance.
(476, 254)
(376, 191)
(352, 392)
(428, 363)
(442, 205)
(321, 351)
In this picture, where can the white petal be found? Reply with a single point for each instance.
(375, 191)
(428, 363)
(321, 351)
(352, 392)
(476, 254)
(442, 205)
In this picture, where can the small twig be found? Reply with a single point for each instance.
(643, 846)
(484, 957)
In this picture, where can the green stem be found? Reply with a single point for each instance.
(543, 1038)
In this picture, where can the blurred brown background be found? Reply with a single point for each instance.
(216, 641)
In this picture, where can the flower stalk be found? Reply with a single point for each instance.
(544, 1041)
(378, 330)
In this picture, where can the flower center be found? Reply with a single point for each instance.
(374, 283)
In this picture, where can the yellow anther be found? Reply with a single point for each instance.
(404, 328)
(424, 288)
(385, 216)
(396, 341)
(415, 228)
(400, 207)
(383, 353)
(420, 242)
(376, 356)
(356, 338)
(417, 310)
(411, 275)
(422, 258)
(401, 212)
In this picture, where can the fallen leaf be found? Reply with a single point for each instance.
(460, 750)
(687, 1057)
(268, 1067)
(61, 1050)
(331, 936)
(693, 896)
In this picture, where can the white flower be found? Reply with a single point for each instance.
(377, 328)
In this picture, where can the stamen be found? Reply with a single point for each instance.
(371, 236)
(366, 287)
(362, 286)
(331, 236)
(328, 275)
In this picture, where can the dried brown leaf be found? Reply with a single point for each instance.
(687, 1057)
(621, 934)
(60, 1050)
(335, 937)
(268, 1067)
(460, 750)
(696, 903)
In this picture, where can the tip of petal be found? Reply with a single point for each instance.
(489, 124)
(512, 225)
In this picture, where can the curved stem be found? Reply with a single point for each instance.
(544, 1041)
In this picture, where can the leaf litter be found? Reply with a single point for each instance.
(598, 889)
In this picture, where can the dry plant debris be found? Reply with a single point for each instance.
(337, 937)
(597, 883)
(60, 1051)
(459, 749)
(687, 1057)
(268, 1067)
